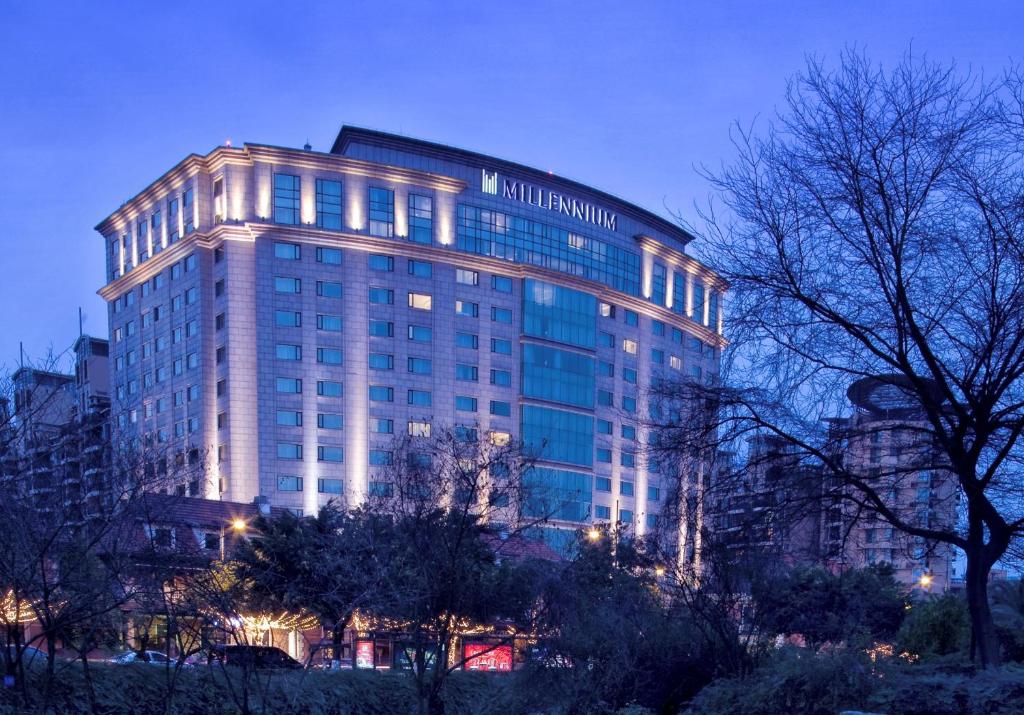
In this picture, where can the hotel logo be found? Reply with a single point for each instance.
(489, 182)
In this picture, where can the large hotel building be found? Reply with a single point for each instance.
(289, 312)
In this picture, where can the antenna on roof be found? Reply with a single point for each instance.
(79, 321)
(307, 146)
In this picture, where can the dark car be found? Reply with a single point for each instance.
(252, 656)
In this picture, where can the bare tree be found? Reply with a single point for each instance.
(874, 230)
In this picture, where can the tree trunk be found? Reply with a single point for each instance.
(984, 642)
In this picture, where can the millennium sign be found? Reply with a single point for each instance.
(547, 199)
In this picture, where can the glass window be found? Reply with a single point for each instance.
(630, 317)
(603, 484)
(328, 256)
(604, 455)
(289, 385)
(466, 373)
(629, 404)
(382, 361)
(330, 486)
(289, 484)
(605, 369)
(328, 323)
(382, 426)
(469, 278)
(512, 238)
(626, 516)
(464, 403)
(381, 489)
(606, 310)
(657, 327)
(330, 454)
(501, 315)
(287, 199)
(328, 204)
(420, 301)
(659, 283)
(327, 420)
(559, 314)
(629, 375)
(501, 347)
(466, 340)
(382, 212)
(653, 494)
(289, 418)
(467, 309)
(419, 398)
(328, 289)
(502, 378)
(558, 435)
(419, 366)
(421, 219)
(605, 340)
(697, 313)
(557, 375)
(382, 329)
(420, 333)
(382, 393)
(420, 269)
(288, 450)
(628, 459)
(629, 346)
(628, 432)
(287, 285)
(382, 296)
(501, 284)
(605, 398)
(287, 251)
(380, 262)
(658, 357)
(289, 352)
(329, 356)
(380, 458)
(604, 427)
(678, 293)
(329, 388)
(602, 512)
(557, 494)
(501, 409)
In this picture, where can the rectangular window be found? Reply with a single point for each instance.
(628, 432)
(289, 484)
(420, 333)
(657, 357)
(604, 455)
(604, 427)
(628, 404)
(659, 283)
(289, 352)
(653, 494)
(467, 309)
(382, 393)
(380, 458)
(382, 329)
(605, 369)
(421, 269)
(381, 296)
(630, 317)
(469, 278)
(382, 361)
(329, 388)
(328, 420)
(628, 459)
(287, 285)
(420, 301)
(328, 323)
(602, 512)
(559, 314)
(382, 212)
(287, 199)
(501, 315)
(289, 418)
(501, 347)
(629, 375)
(603, 484)
(382, 426)
(629, 346)
(328, 256)
(330, 454)
(289, 385)
(418, 429)
(626, 516)
(330, 486)
(466, 373)
(419, 366)
(464, 403)
(288, 450)
(502, 378)
(549, 373)
(328, 289)
(380, 262)
(329, 356)
(420, 398)
(558, 435)
(287, 251)
(501, 284)
(470, 341)
(606, 310)
(421, 219)
(501, 409)
(328, 204)
(657, 327)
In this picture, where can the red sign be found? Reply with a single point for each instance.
(364, 654)
(484, 656)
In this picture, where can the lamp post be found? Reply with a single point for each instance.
(238, 526)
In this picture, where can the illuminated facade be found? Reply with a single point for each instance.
(288, 312)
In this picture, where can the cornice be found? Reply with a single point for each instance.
(680, 260)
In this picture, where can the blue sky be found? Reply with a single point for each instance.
(99, 99)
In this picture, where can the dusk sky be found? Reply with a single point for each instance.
(97, 100)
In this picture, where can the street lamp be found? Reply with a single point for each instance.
(593, 534)
(659, 571)
(238, 525)
(925, 580)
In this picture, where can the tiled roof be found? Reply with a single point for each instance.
(195, 512)
(519, 547)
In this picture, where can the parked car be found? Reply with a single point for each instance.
(252, 656)
(30, 656)
(151, 657)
